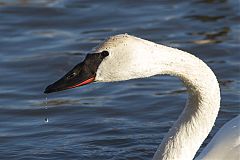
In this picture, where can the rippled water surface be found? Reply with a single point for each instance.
(41, 40)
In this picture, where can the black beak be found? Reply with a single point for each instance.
(82, 74)
(78, 76)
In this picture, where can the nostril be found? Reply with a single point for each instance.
(71, 75)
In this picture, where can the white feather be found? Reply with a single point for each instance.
(131, 57)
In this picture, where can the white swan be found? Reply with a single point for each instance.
(125, 57)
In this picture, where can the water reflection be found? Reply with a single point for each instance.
(22, 3)
(212, 1)
(205, 18)
(211, 37)
(41, 40)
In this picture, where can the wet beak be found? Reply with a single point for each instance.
(63, 85)
(82, 74)
(78, 76)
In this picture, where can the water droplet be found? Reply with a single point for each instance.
(45, 110)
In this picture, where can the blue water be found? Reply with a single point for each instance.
(41, 40)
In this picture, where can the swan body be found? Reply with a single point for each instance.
(225, 145)
(127, 57)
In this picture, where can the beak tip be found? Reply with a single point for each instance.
(48, 90)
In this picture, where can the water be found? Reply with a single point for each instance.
(46, 107)
(41, 40)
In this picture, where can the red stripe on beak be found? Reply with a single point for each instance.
(83, 83)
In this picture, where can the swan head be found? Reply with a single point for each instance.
(82, 74)
(129, 58)
(118, 58)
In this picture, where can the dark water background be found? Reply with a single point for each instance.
(40, 40)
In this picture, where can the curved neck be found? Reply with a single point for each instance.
(198, 117)
(131, 57)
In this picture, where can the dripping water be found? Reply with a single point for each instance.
(45, 110)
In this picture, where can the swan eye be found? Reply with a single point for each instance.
(104, 54)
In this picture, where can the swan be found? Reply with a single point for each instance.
(123, 57)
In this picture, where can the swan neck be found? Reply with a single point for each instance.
(131, 57)
(198, 117)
